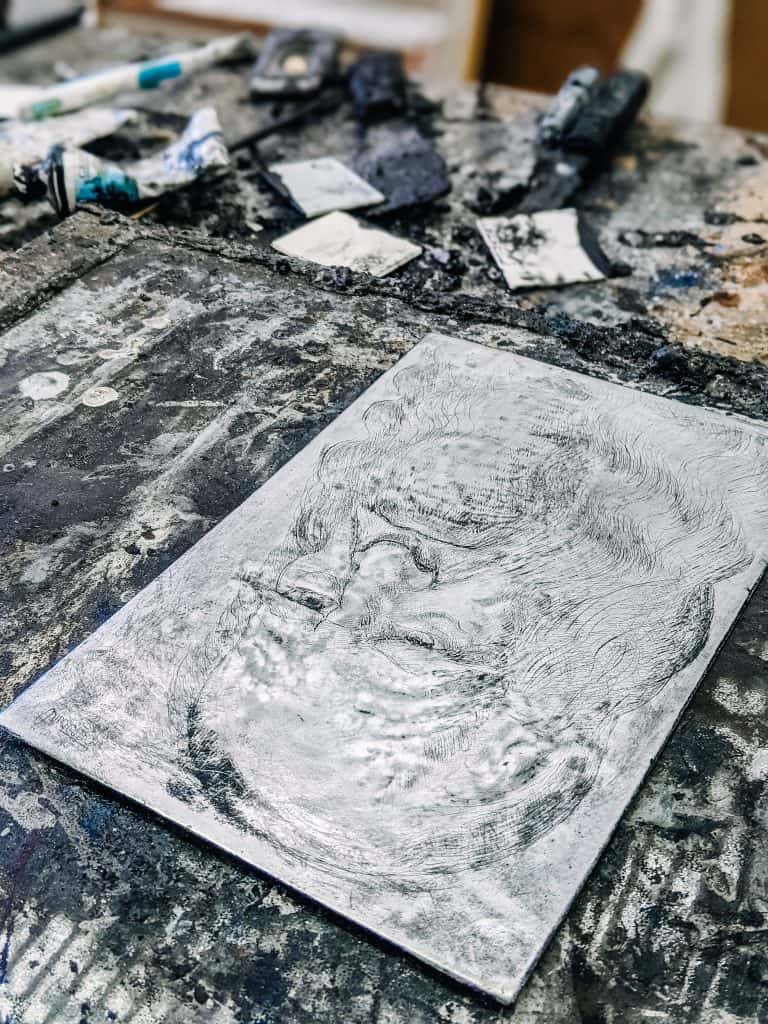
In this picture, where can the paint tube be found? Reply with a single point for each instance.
(572, 97)
(128, 77)
(24, 144)
(295, 62)
(564, 166)
(73, 176)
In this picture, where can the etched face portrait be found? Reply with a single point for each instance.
(466, 600)
(419, 674)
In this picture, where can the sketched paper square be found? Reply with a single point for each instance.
(323, 185)
(338, 240)
(419, 674)
(543, 249)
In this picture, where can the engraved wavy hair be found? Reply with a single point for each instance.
(608, 567)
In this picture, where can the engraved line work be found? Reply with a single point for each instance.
(422, 675)
(512, 601)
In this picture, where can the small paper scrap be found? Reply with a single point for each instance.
(552, 247)
(322, 185)
(338, 240)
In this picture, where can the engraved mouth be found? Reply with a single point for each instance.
(295, 605)
(310, 599)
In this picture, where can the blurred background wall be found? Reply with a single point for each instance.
(707, 58)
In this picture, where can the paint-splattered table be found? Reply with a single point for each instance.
(156, 372)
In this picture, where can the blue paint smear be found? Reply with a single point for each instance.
(150, 77)
(674, 278)
(95, 817)
(191, 157)
(109, 186)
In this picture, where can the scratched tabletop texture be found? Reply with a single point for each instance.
(155, 372)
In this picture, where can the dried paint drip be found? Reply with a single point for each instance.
(158, 323)
(99, 395)
(40, 386)
(115, 353)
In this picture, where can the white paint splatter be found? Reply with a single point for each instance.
(40, 386)
(117, 353)
(98, 395)
(72, 358)
(740, 700)
(158, 323)
(284, 905)
(758, 769)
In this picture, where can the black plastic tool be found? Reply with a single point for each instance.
(295, 63)
(572, 97)
(567, 161)
(612, 108)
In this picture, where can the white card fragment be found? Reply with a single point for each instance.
(322, 185)
(543, 249)
(338, 240)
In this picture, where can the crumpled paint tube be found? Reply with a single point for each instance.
(24, 143)
(73, 176)
(81, 92)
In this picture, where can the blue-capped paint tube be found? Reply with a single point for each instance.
(25, 143)
(73, 176)
(150, 77)
(94, 88)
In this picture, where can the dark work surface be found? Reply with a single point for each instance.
(226, 359)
